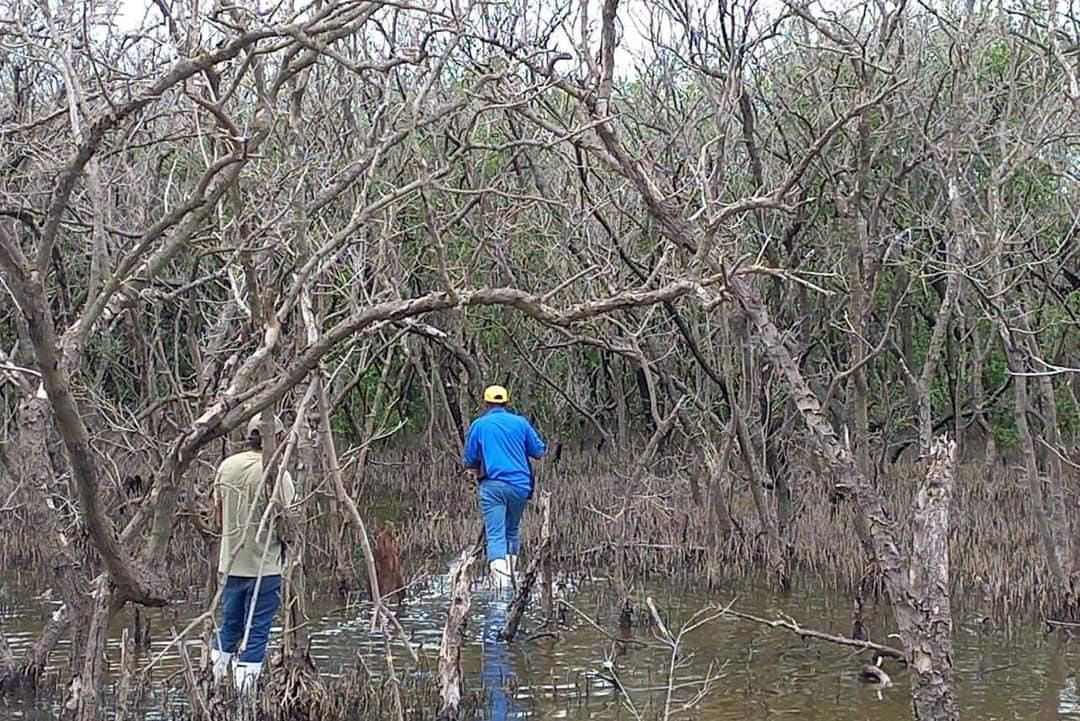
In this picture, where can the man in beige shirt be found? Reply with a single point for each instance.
(251, 557)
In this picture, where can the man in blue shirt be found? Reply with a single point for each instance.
(498, 449)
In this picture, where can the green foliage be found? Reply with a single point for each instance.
(995, 370)
(1003, 426)
(995, 57)
(1068, 415)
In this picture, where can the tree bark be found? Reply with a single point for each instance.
(451, 681)
(928, 637)
(953, 260)
(85, 700)
(26, 285)
(1049, 535)
(1057, 498)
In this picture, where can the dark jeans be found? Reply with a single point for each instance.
(236, 600)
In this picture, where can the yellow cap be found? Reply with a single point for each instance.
(496, 394)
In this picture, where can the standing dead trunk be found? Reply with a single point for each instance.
(953, 260)
(1057, 497)
(127, 689)
(918, 594)
(1049, 535)
(84, 702)
(343, 569)
(451, 681)
(928, 618)
(858, 306)
(547, 582)
(979, 351)
(696, 474)
(295, 634)
(720, 520)
(779, 470)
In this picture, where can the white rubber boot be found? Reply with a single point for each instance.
(500, 573)
(220, 663)
(246, 675)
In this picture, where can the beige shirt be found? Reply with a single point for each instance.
(238, 486)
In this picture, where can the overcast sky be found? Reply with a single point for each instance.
(632, 14)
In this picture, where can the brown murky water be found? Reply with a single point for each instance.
(757, 673)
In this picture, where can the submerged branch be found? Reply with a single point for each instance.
(790, 624)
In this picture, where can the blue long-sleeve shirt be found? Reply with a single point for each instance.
(500, 443)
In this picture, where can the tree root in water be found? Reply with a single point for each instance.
(294, 691)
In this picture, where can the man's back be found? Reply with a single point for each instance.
(503, 442)
(243, 502)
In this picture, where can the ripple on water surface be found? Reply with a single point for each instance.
(583, 673)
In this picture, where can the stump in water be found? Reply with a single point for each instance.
(924, 615)
(388, 565)
(294, 691)
(450, 676)
(129, 688)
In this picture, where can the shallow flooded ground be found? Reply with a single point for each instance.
(572, 669)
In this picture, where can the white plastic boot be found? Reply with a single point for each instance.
(220, 663)
(500, 573)
(246, 674)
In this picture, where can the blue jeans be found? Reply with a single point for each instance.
(502, 507)
(236, 601)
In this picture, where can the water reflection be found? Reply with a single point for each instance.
(1020, 674)
(1070, 701)
(496, 665)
